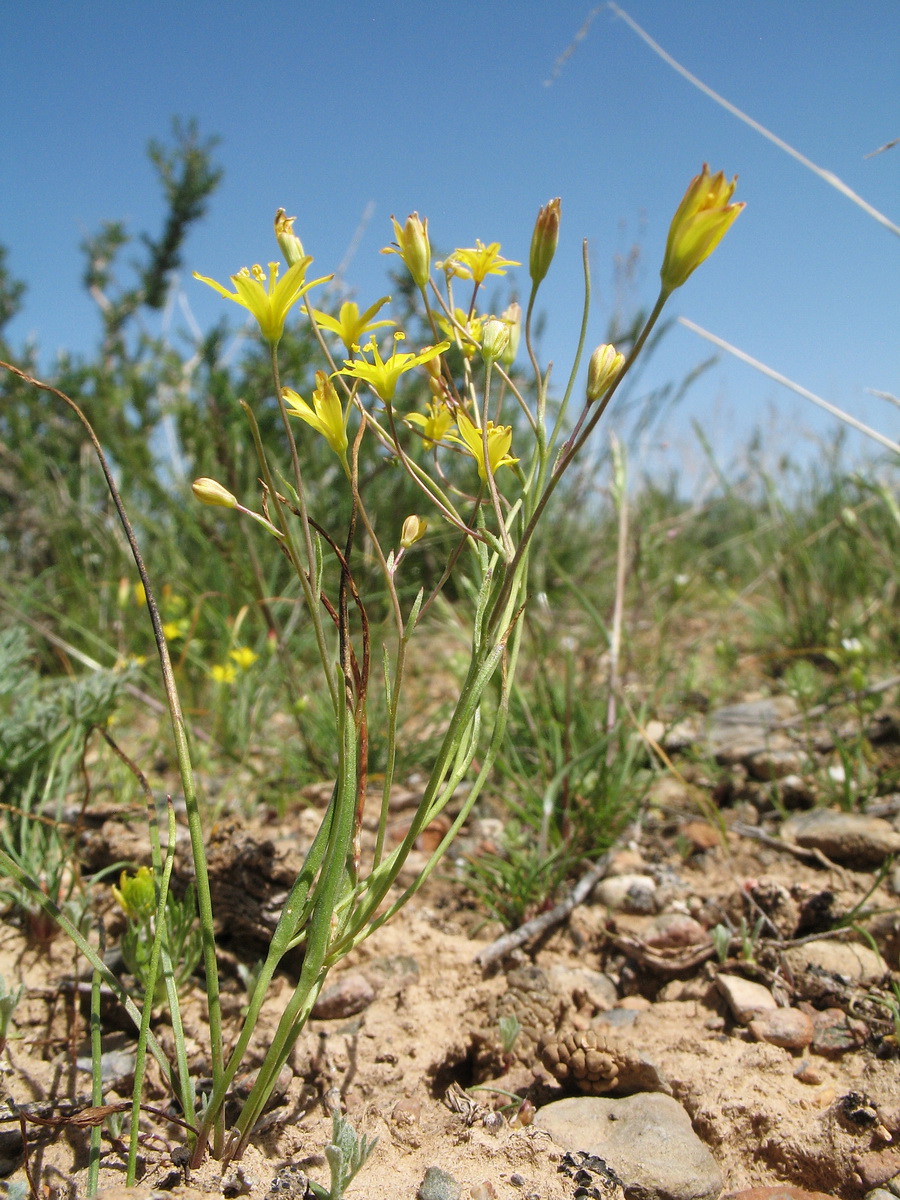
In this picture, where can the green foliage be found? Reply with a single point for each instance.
(183, 940)
(346, 1154)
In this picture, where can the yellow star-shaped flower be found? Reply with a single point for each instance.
(499, 441)
(479, 262)
(349, 325)
(269, 300)
(383, 374)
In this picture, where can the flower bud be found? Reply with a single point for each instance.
(289, 244)
(494, 339)
(544, 240)
(413, 531)
(513, 317)
(702, 219)
(136, 894)
(207, 491)
(605, 364)
(413, 247)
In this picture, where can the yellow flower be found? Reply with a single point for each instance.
(382, 374)
(349, 325)
(136, 894)
(325, 414)
(243, 657)
(173, 630)
(703, 218)
(499, 441)
(478, 263)
(413, 247)
(269, 302)
(223, 673)
(435, 425)
(470, 340)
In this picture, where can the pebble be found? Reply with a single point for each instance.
(744, 997)
(780, 1191)
(438, 1185)
(627, 893)
(736, 732)
(673, 931)
(807, 1072)
(701, 835)
(847, 961)
(852, 839)
(786, 1027)
(835, 1033)
(775, 764)
(349, 996)
(647, 1139)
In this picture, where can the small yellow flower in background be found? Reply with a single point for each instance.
(413, 247)
(269, 301)
(544, 241)
(413, 531)
(325, 414)
(140, 596)
(702, 219)
(223, 673)
(136, 894)
(468, 341)
(435, 425)
(499, 440)
(208, 491)
(606, 363)
(382, 375)
(243, 657)
(349, 325)
(477, 263)
(288, 242)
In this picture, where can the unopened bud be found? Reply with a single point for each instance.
(413, 247)
(413, 531)
(207, 491)
(494, 339)
(513, 317)
(605, 364)
(289, 244)
(544, 240)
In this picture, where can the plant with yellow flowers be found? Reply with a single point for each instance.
(482, 479)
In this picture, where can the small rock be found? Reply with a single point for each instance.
(438, 1185)
(745, 998)
(834, 1033)
(775, 764)
(701, 835)
(876, 1167)
(852, 839)
(392, 973)
(786, 1027)
(780, 1191)
(736, 732)
(806, 1072)
(672, 931)
(880, 1194)
(627, 893)
(349, 996)
(647, 1140)
(845, 962)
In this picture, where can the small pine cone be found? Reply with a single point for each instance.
(580, 1058)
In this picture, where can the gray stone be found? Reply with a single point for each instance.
(845, 961)
(350, 995)
(737, 732)
(849, 838)
(775, 764)
(438, 1185)
(646, 1139)
(627, 893)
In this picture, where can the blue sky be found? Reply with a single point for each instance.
(338, 111)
